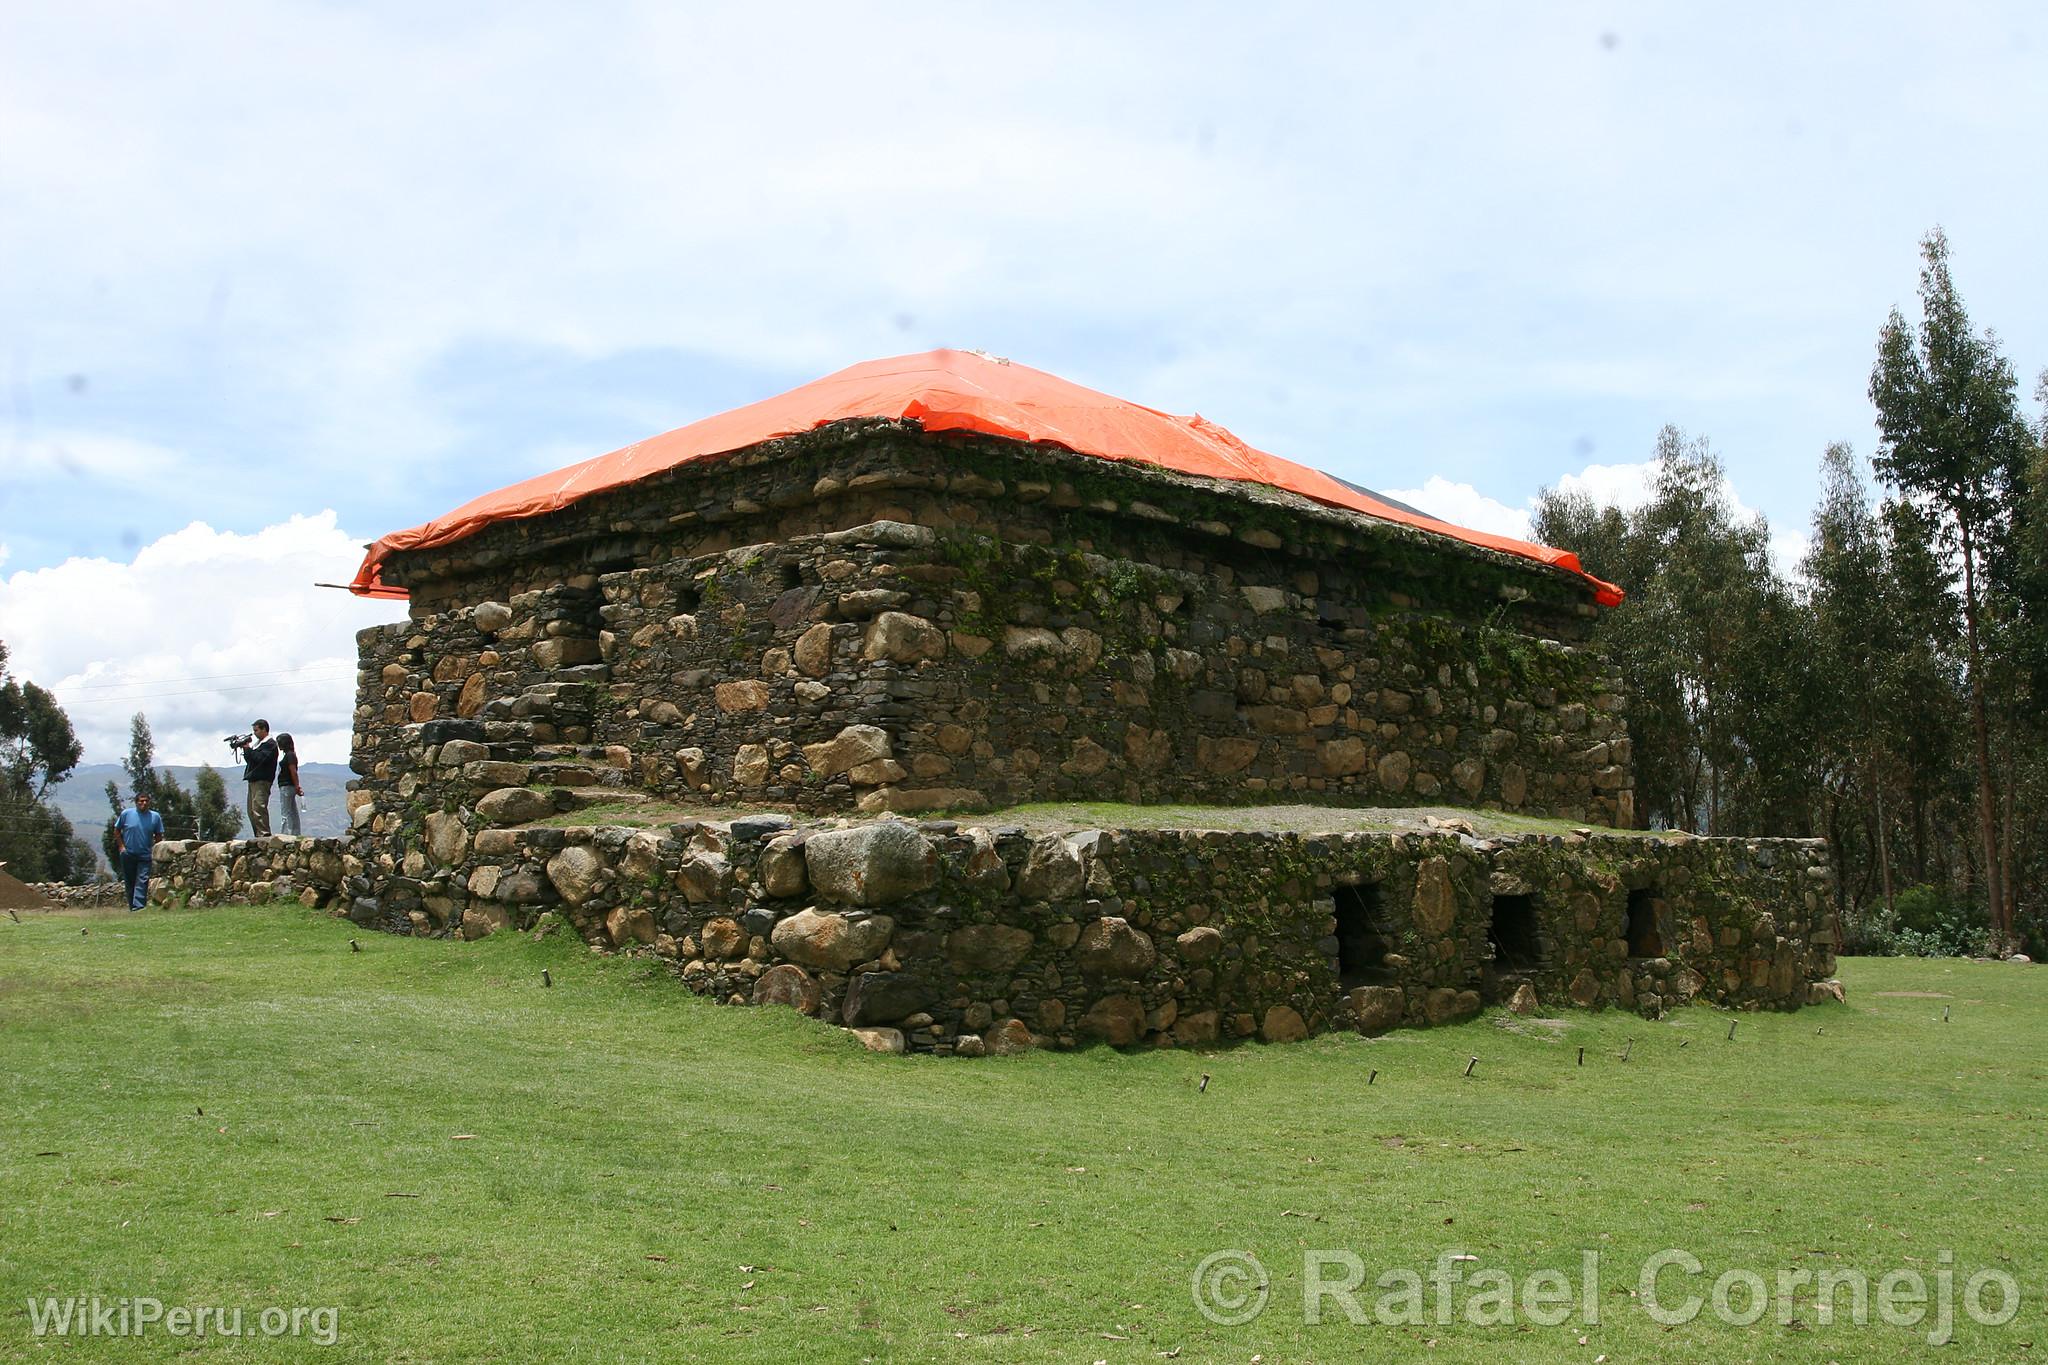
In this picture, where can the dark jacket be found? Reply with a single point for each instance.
(259, 762)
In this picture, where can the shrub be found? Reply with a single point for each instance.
(1925, 921)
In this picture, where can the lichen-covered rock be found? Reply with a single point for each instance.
(832, 942)
(813, 652)
(988, 948)
(704, 877)
(481, 921)
(1200, 943)
(750, 766)
(849, 749)
(871, 864)
(1202, 1026)
(563, 652)
(902, 638)
(577, 872)
(1524, 1001)
(746, 694)
(1283, 1024)
(457, 753)
(1445, 1005)
(1111, 947)
(722, 938)
(782, 870)
(788, 984)
(523, 887)
(1008, 1038)
(1343, 757)
(514, 806)
(1375, 1009)
(640, 861)
(629, 924)
(879, 1039)
(1117, 1020)
(491, 617)
(1053, 870)
(447, 840)
(1585, 989)
(1436, 898)
(884, 998)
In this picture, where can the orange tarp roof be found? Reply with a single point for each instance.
(944, 391)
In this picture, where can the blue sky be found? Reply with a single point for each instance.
(266, 261)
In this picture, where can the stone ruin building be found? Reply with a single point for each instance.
(763, 696)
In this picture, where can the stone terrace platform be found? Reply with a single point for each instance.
(1060, 925)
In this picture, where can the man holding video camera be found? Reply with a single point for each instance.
(258, 752)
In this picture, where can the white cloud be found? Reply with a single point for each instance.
(1627, 486)
(203, 630)
(1463, 505)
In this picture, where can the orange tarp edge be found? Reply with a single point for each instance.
(945, 391)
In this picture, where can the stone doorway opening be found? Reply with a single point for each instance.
(1517, 945)
(1645, 934)
(1363, 938)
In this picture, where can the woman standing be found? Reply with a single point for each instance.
(288, 788)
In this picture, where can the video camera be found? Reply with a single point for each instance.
(247, 741)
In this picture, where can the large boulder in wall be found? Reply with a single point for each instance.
(871, 864)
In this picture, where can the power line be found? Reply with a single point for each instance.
(213, 691)
(195, 677)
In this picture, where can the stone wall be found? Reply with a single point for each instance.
(955, 938)
(892, 667)
(253, 871)
(1012, 629)
(91, 895)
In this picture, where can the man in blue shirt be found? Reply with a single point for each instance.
(140, 827)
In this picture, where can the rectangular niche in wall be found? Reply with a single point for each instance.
(1644, 937)
(1362, 938)
(1516, 944)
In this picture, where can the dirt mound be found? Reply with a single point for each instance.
(19, 895)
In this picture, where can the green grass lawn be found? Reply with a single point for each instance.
(470, 1167)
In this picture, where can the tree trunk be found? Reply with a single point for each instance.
(2006, 840)
(1987, 801)
(1884, 857)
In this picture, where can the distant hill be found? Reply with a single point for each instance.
(83, 796)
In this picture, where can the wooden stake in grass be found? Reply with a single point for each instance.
(1469, 1065)
(1372, 1076)
(1731, 1029)
(545, 979)
(1630, 1048)
(1203, 1088)
(1944, 1013)
(354, 946)
(1582, 1056)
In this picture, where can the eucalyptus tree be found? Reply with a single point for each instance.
(1952, 440)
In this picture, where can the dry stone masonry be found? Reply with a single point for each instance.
(883, 621)
(966, 938)
(874, 636)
